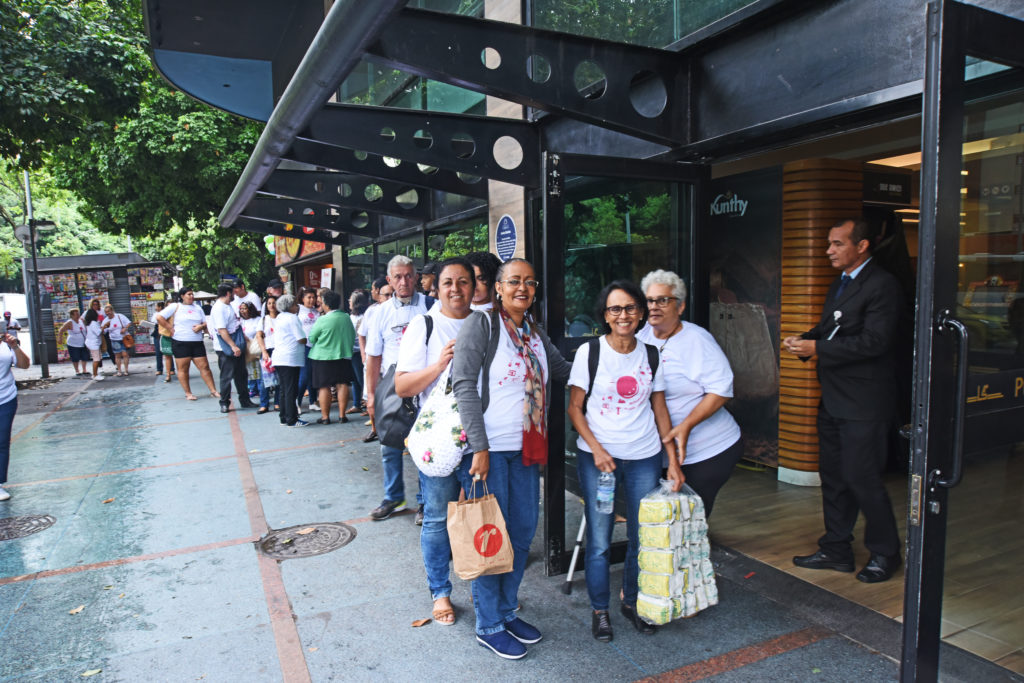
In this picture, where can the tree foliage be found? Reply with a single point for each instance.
(63, 67)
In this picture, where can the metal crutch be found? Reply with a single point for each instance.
(567, 586)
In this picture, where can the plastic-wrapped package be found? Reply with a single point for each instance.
(676, 578)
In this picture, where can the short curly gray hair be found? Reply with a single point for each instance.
(400, 261)
(284, 302)
(665, 277)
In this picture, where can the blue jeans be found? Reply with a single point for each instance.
(357, 383)
(517, 489)
(394, 483)
(437, 551)
(634, 479)
(305, 373)
(266, 393)
(7, 411)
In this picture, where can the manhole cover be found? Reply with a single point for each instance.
(19, 527)
(306, 540)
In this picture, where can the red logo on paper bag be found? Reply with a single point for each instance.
(487, 540)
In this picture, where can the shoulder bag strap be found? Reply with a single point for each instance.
(593, 356)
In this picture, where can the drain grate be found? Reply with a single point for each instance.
(306, 540)
(19, 527)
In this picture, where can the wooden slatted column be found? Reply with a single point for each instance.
(815, 194)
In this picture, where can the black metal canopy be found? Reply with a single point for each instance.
(776, 68)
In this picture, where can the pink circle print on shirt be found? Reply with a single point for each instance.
(627, 386)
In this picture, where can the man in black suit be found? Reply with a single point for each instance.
(854, 343)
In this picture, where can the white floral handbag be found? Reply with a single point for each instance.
(437, 441)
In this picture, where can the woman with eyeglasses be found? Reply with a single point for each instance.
(698, 382)
(620, 415)
(502, 371)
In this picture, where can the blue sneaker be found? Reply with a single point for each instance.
(299, 423)
(523, 632)
(503, 644)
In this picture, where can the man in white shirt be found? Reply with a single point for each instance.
(230, 345)
(383, 336)
(242, 296)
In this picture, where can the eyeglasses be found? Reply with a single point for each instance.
(631, 309)
(661, 301)
(515, 282)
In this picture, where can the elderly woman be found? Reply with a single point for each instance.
(698, 382)
(116, 325)
(502, 372)
(421, 361)
(187, 345)
(620, 415)
(332, 338)
(75, 331)
(289, 357)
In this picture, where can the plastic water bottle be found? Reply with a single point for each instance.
(606, 493)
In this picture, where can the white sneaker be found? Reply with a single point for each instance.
(4, 495)
(315, 407)
(98, 377)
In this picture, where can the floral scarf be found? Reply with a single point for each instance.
(535, 437)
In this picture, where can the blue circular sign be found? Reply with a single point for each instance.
(505, 239)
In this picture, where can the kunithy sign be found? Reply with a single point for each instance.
(728, 204)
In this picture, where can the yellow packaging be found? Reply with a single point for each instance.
(657, 561)
(656, 536)
(655, 511)
(658, 585)
(653, 609)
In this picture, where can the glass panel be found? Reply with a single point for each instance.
(983, 606)
(359, 271)
(462, 239)
(654, 23)
(615, 229)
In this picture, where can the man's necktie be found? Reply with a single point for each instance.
(845, 280)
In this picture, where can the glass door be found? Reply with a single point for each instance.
(606, 219)
(964, 545)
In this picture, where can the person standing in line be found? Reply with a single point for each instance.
(332, 338)
(249, 319)
(94, 340)
(187, 340)
(116, 326)
(421, 362)
(10, 355)
(75, 331)
(382, 342)
(265, 336)
(308, 315)
(428, 276)
(698, 383)
(502, 373)
(155, 334)
(377, 295)
(855, 346)
(275, 288)
(242, 295)
(621, 417)
(288, 358)
(230, 345)
(485, 269)
(163, 347)
(357, 304)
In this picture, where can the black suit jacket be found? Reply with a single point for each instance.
(857, 367)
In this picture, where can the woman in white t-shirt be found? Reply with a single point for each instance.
(421, 362)
(75, 330)
(698, 382)
(116, 326)
(187, 340)
(251, 323)
(502, 373)
(268, 378)
(307, 316)
(10, 355)
(289, 357)
(94, 340)
(621, 418)
(357, 304)
(485, 271)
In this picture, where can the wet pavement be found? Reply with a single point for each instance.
(150, 568)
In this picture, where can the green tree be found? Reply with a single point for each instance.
(63, 67)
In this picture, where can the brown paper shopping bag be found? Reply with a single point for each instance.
(480, 545)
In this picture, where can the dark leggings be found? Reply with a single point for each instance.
(708, 476)
(288, 377)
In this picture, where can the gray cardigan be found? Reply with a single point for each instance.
(475, 347)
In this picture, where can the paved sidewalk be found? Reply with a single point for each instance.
(150, 572)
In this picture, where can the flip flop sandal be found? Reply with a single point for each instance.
(445, 612)
(191, 397)
(166, 380)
